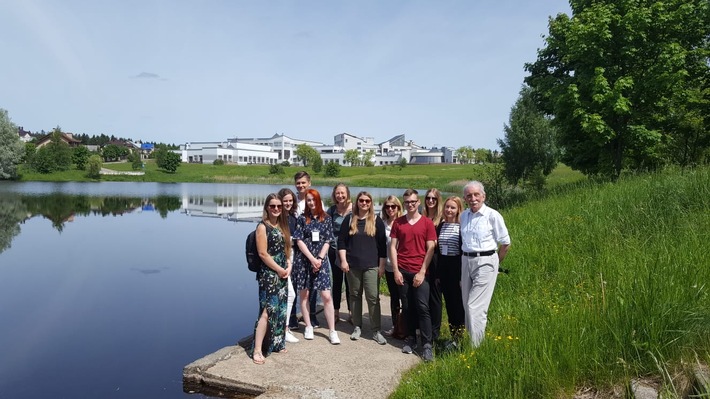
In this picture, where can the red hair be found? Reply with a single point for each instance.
(318, 213)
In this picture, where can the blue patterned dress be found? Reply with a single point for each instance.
(273, 293)
(305, 278)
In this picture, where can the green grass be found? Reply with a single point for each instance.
(607, 282)
(446, 177)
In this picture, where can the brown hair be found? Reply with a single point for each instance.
(438, 212)
(282, 222)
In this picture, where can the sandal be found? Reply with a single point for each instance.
(258, 358)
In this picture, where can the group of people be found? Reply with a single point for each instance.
(442, 250)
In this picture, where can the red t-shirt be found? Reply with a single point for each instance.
(411, 242)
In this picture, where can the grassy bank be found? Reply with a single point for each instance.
(607, 283)
(450, 177)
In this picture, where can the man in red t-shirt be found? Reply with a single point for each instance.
(412, 247)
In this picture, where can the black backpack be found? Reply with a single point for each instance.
(254, 261)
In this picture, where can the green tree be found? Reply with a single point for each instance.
(58, 151)
(617, 75)
(529, 148)
(30, 149)
(135, 159)
(367, 158)
(113, 152)
(402, 163)
(306, 154)
(331, 169)
(465, 154)
(11, 147)
(352, 157)
(93, 166)
(167, 159)
(43, 161)
(317, 164)
(482, 155)
(79, 156)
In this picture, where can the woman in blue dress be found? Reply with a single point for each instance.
(273, 243)
(313, 235)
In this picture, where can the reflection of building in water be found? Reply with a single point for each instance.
(226, 207)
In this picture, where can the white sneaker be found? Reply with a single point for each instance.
(290, 338)
(334, 339)
(308, 334)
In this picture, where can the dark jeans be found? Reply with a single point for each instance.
(417, 299)
(449, 268)
(338, 278)
(394, 295)
(435, 309)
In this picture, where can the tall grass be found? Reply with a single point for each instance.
(607, 282)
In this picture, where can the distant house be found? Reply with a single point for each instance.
(147, 149)
(25, 136)
(65, 137)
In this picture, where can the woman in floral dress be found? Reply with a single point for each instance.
(313, 235)
(273, 243)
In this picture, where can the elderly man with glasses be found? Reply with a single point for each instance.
(483, 231)
(412, 247)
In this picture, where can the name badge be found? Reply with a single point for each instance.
(444, 249)
(315, 236)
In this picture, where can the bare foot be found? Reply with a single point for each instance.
(258, 358)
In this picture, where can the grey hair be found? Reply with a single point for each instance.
(474, 183)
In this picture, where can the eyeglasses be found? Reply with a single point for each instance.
(364, 200)
(431, 198)
(412, 202)
(391, 206)
(274, 206)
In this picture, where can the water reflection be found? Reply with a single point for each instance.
(60, 203)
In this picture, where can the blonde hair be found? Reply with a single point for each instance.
(369, 217)
(383, 212)
(438, 212)
(459, 205)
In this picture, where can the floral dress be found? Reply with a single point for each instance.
(273, 293)
(305, 278)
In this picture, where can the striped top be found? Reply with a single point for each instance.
(450, 239)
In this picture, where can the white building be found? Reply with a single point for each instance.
(279, 148)
(229, 151)
(281, 144)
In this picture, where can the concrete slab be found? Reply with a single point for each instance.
(310, 369)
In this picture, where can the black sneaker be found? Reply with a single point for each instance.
(410, 345)
(293, 326)
(428, 354)
(314, 322)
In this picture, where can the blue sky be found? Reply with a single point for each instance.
(440, 72)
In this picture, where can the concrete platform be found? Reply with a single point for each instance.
(310, 369)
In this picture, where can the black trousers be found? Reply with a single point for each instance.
(435, 309)
(394, 295)
(417, 307)
(338, 278)
(449, 271)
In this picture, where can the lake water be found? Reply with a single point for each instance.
(108, 289)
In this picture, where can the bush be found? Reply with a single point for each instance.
(93, 167)
(286, 163)
(317, 165)
(218, 162)
(277, 169)
(332, 169)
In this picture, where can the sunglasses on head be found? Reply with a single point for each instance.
(274, 206)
